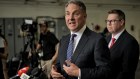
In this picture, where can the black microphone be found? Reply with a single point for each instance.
(36, 72)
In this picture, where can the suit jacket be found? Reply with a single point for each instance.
(124, 56)
(91, 55)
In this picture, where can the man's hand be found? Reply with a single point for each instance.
(71, 69)
(55, 74)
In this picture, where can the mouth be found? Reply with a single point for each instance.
(72, 23)
(109, 27)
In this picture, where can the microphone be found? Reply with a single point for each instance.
(21, 74)
(23, 70)
(38, 73)
(15, 77)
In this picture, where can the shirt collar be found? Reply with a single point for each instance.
(80, 32)
(117, 35)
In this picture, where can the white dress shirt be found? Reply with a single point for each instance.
(76, 41)
(116, 37)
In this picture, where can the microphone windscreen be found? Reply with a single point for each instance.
(29, 71)
(36, 71)
(23, 70)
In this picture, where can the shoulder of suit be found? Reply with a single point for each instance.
(95, 35)
(65, 36)
(128, 37)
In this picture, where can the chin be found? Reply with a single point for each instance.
(72, 28)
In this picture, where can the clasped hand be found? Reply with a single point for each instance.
(70, 68)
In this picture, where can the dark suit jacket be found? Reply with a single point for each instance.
(91, 56)
(124, 56)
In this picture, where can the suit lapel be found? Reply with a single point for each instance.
(108, 39)
(65, 46)
(80, 45)
(120, 39)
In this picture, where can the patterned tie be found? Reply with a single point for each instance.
(112, 43)
(70, 47)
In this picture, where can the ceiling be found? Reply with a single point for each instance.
(62, 2)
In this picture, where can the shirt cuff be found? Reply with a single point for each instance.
(79, 77)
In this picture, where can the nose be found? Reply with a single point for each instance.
(108, 23)
(72, 17)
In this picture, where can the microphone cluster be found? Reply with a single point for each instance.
(30, 73)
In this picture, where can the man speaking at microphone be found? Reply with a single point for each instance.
(82, 54)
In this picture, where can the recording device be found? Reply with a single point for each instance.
(29, 26)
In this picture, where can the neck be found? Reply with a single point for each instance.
(45, 32)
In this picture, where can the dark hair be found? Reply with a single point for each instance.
(120, 13)
(45, 22)
(77, 2)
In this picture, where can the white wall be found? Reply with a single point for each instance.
(96, 14)
(31, 11)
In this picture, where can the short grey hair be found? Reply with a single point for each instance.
(77, 2)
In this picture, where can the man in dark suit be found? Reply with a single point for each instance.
(125, 50)
(91, 56)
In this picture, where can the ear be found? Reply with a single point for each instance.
(122, 22)
(85, 16)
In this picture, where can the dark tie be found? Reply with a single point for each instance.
(112, 43)
(70, 47)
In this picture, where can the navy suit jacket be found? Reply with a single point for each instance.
(91, 55)
(124, 56)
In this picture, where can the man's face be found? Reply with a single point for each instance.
(43, 28)
(75, 17)
(114, 24)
